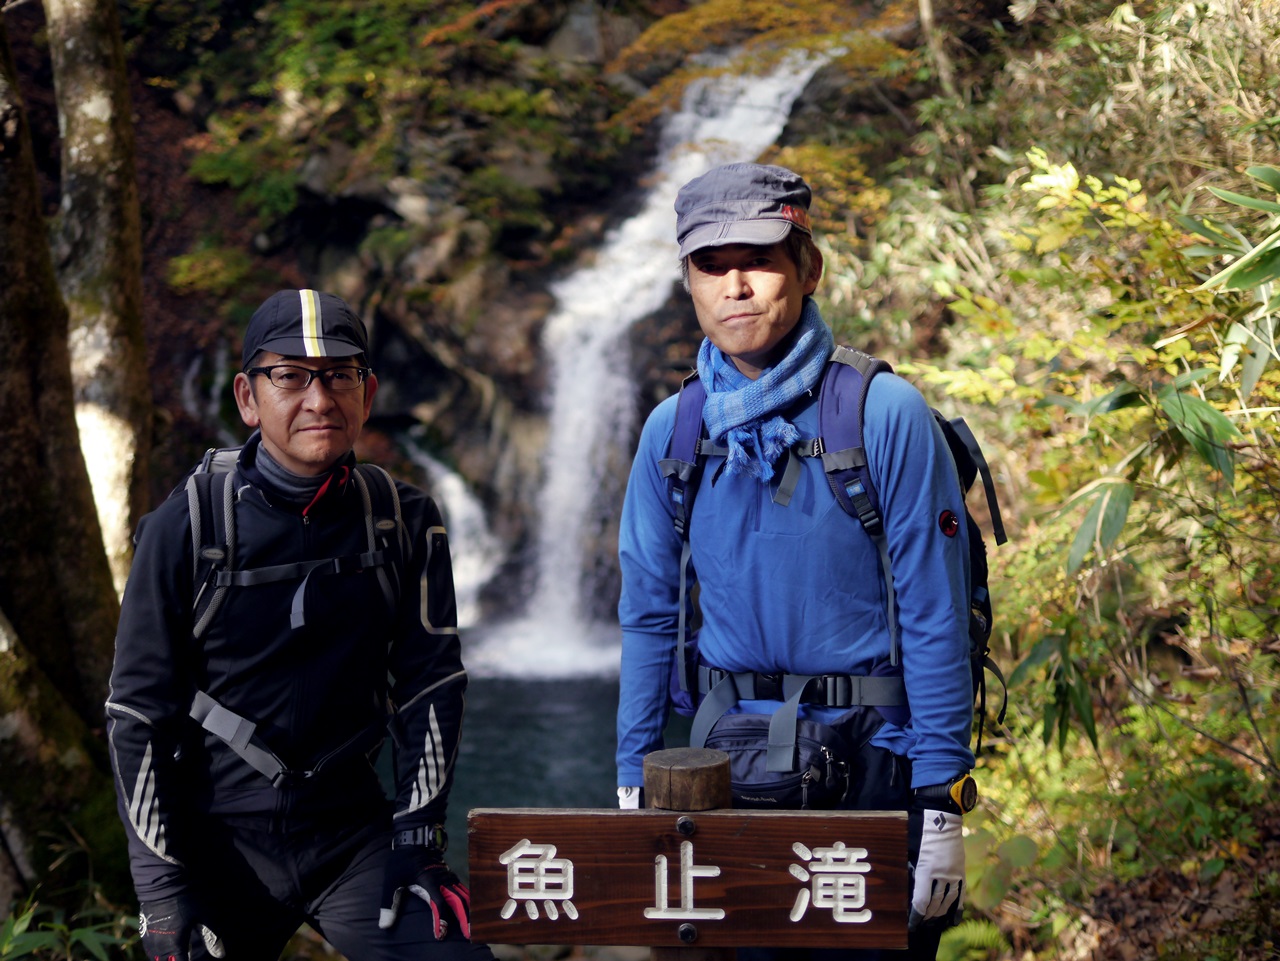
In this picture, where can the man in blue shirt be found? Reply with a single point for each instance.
(796, 586)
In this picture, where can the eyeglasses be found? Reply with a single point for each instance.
(291, 377)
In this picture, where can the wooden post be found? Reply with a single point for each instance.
(688, 779)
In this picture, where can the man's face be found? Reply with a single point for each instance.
(748, 299)
(305, 431)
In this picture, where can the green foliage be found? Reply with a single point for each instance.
(972, 941)
(213, 269)
(993, 856)
(1203, 426)
(259, 170)
(502, 202)
(47, 934)
(714, 23)
(767, 30)
(1102, 525)
(1170, 90)
(1113, 344)
(17, 941)
(387, 244)
(902, 242)
(1150, 641)
(291, 80)
(1254, 269)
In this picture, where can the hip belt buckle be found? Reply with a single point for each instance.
(768, 687)
(836, 690)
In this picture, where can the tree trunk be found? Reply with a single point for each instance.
(98, 255)
(941, 62)
(58, 825)
(55, 583)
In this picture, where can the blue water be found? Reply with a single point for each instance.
(533, 743)
(537, 743)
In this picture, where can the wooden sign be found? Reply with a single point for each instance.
(721, 878)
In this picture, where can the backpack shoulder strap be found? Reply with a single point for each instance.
(842, 402)
(384, 516)
(211, 505)
(972, 463)
(682, 467)
(840, 418)
(219, 460)
(384, 526)
(198, 507)
(211, 499)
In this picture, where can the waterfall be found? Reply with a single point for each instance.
(204, 404)
(724, 119)
(474, 551)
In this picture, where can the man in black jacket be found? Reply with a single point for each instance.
(244, 710)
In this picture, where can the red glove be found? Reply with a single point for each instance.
(421, 870)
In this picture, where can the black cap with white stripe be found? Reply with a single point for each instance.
(305, 323)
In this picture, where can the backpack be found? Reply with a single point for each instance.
(210, 490)
(842, 400)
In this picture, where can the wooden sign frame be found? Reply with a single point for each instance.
(720, 878)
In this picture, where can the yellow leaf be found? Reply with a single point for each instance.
(1051, 238)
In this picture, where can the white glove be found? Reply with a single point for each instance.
(939, 870)
(629, 798)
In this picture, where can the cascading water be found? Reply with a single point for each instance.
(722, 120)
(473, 549)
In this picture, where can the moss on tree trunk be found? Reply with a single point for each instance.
(58, 606)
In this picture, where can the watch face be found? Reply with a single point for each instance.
(437, 838)
(965, 793)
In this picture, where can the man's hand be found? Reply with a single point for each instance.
(167, 928)
(420, 870)
(938, 891)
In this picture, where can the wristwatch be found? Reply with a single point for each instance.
(962, 791)
(431, 836)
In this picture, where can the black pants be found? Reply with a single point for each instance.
(258, 884)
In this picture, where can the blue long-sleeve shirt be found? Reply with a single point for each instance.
(799, 589)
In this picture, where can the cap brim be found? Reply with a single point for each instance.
(760, 233)
(296, 347)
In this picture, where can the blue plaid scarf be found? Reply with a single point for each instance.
(737, 411)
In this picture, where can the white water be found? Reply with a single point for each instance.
(474, 551)
(725, 120)
(205, 406)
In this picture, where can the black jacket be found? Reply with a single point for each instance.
(307, 690)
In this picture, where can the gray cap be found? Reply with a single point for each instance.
(305, 323)
(740, 204)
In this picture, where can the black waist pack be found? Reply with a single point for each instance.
(819, 781)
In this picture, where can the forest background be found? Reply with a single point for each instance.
(1059, 219)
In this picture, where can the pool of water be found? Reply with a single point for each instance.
(537, 743)
(533, 743)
